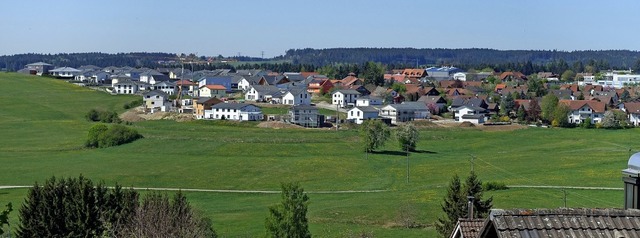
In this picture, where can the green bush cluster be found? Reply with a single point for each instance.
(494, 186)
(133, 104)
(102, 116)
(102, 136)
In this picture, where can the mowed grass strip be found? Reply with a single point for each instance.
(43, 129)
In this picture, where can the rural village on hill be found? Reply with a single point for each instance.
(443, 95)
(440, 93)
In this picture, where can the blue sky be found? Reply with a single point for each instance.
(250, 27)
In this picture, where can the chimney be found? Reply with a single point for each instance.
(470, 206)
(631, 178)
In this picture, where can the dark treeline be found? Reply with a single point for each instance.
(456, 57)
(139, 59)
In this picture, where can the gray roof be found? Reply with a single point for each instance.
(367, 109)
(565, 222)
(64, 69)
(348, 91)
(410, 106)
(156, 92)
(39, 64)
(265, 88)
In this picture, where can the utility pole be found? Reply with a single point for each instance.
(473, 157)
(262, 54)
(407, 151)
(338, 118)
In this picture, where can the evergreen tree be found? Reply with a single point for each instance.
(473, 187)
(455, 204)
(453, 207)
(522, 114)
(625, 96)
(289, 218)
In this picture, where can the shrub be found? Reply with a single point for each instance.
(102, 116)
(132, 104)
(101, 136)
(489, 186)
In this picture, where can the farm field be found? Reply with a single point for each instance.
(43, 130)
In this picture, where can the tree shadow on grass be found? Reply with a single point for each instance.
(402, 153)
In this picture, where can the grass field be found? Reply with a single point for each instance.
(43, 130)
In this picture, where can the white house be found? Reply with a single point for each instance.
(633, 112)
(407, 111)
(583, 109)
(345, 97)
(359, 114)
(125, 87)
(260, 93)
(462, 76)
(64, 72)
(167, 87)
(366, 101)
(211, 91)
(297, 96)
(156, 101)
(234, 111)
(468, 113)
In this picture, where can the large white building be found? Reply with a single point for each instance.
(345, 97)
(620, 79)
(234, 111)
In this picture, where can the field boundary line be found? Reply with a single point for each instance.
(225, 190)
(563, 187)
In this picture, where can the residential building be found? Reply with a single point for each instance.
(166, 86)
(469, 113)
(212, 90)
(368, 100)
(64, 72)
(38, 68)
(580, 110)
(318, 86)
(234, 111)
(125, 87)
(360, 113)
(344, 98)
(296, 96)
(407, 111)
(260, 93)
(633, 112)
(156, 101)
(202, 104)
(561, 222)
(217, 80)
(442, 73)
(305, 115)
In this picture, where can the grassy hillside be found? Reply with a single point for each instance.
(43, 130)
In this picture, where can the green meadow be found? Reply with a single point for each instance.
(42, 131)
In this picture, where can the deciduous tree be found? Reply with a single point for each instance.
(549, 104)
(407, 135)
(374, 134)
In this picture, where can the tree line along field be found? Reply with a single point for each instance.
(43, 131)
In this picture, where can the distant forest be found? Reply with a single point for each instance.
(140, 59)
(437, 57)
(525, 61)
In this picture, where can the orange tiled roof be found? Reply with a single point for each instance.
(215, 87)
(577, 104)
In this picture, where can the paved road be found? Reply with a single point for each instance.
(230, 191)
(328, 106)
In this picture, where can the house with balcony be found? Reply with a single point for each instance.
(470, 113)
(234, 111)
(407, 111)
(345, 97)
(38, 68)
(305, 115)
(156, 100)
(64, 72)
(580, 110)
